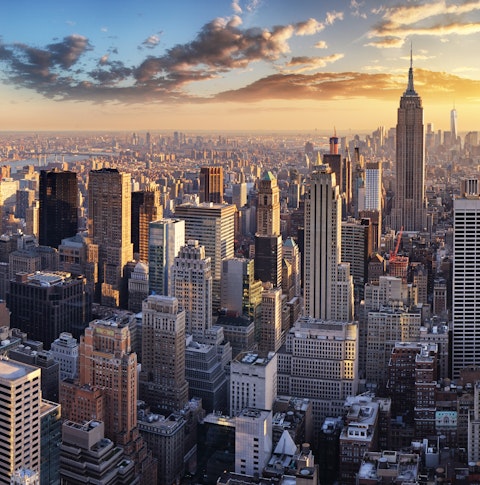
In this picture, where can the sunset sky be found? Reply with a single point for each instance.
(241, 65)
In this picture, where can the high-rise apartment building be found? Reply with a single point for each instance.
(466, 274)
(213, 226)
(109, 226)
(20, 418)
(192, 287)
(166, 238)
(409, 209)
(328, 286)
(58, 212)
(106, 360)
(268, 241)
(162, 379)
(211, 184)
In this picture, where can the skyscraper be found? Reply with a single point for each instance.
(20, 418)
(145, 209)
(211, 184)
(453, 126)
(328, 284)
(109, 211)
(166, 238)
(213, 225)
(58, 196)
(268, 240)
(192, 286)
(409, 209)
(466, 274)
(162, 379)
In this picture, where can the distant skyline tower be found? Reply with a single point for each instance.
(192, 286)
(109, 226)
(58, 212)
(328, 287)
(409, 209)
(453, 125)
(268, 240)
(211, 184)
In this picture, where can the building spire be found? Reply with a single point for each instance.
(410, 88)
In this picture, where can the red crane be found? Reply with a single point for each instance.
(399, 238)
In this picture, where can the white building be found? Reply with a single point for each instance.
(466, 275)
(166, 237)
(213, 225)
(319, 362)
(324, 298)
(192, 286)
(253, 381)
(253, 441)
(19, 417)
(64, 350)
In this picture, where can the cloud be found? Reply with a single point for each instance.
(355, 9)
(237, 10)
(303, 63)
(151, 42)
(352, 85)
(331, 17)
(308, 27)
(431, 19)
(321, 44)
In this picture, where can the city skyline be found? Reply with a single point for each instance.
(240, 65)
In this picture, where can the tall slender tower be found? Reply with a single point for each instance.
(453, 125)
(268, 240)
(192, 286)
(327, 282)
(109, 210)
(58, 196)
(409, 209)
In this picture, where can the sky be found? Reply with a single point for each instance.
(245, 65)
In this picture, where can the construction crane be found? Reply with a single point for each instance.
(397, 246)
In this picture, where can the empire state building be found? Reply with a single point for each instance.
(409, 209)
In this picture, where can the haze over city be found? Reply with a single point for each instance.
(255, 65)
